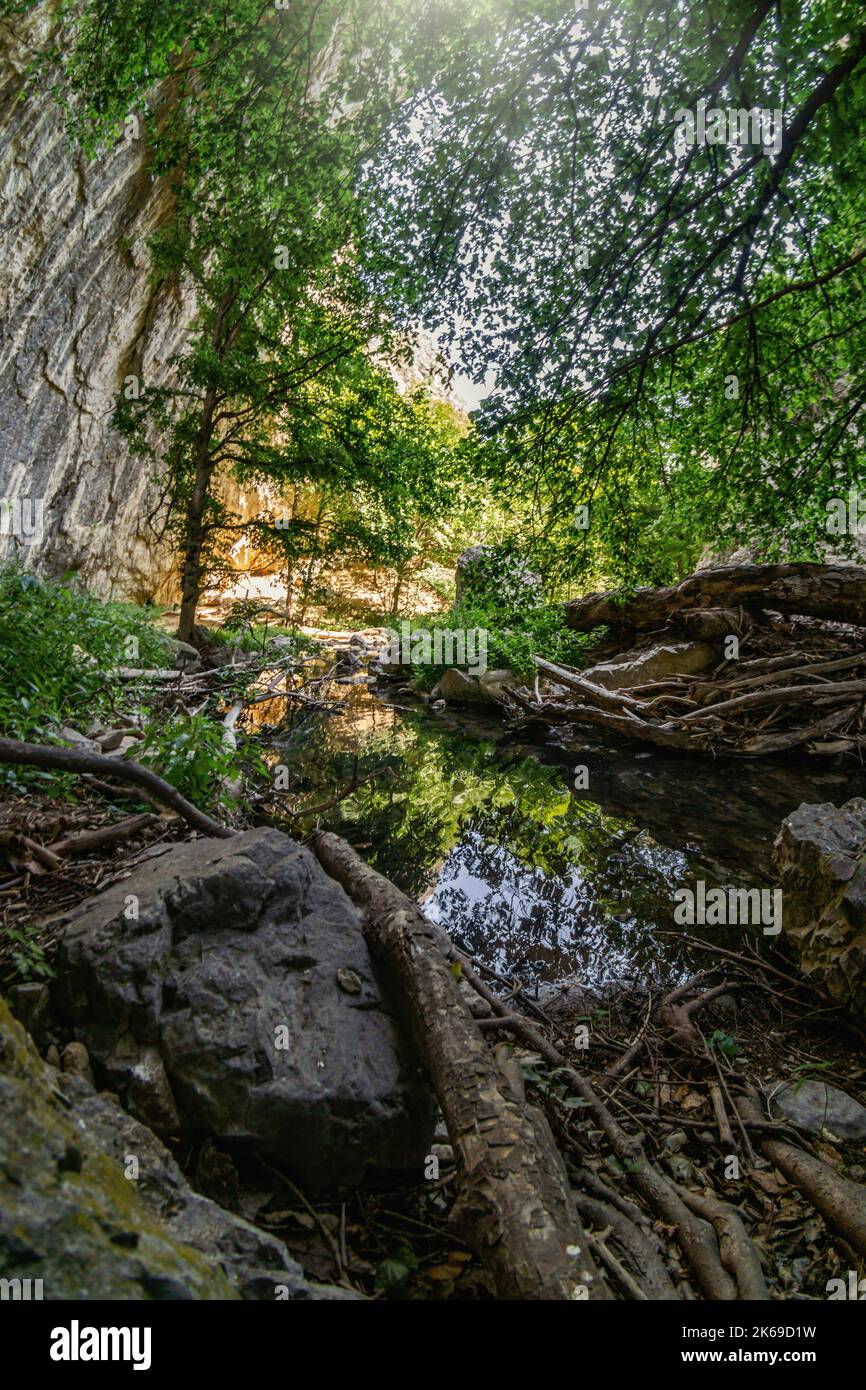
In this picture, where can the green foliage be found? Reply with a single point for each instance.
(513, 642)
(25, 952)
(676, 336)
(393, 1274)
(58, 648)
(189, 752)
(724, 1043)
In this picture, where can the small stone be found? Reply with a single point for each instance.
(680, 1168)
(820, 1109)
(122, 747)
(676, 1142)
(76, 1062)
(479, 1008)
(72, 736)
(348, 981)
(115, 737)
(149, 1094)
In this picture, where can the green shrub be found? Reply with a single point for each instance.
(512, 639)
(189, 752)
(58, 648)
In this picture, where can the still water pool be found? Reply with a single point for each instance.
(482, 826)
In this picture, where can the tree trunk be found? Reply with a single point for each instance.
(819, 591)
(194, 528)
(515, 1206)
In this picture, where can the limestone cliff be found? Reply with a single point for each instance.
(79, 311)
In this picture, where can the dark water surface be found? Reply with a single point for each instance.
(482, 826)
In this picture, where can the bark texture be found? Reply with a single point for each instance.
(820, 591)
(515, 1206)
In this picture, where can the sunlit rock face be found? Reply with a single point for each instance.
(79, 313)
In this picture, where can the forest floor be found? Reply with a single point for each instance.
(666, 1067)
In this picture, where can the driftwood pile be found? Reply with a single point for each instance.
(760, 659)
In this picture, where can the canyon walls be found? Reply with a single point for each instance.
(79, 312)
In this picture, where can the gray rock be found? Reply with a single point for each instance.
(710, 624)
(229, 975)
(79, 741)
(75, 1062)
(114, 738)
(73, 1215)
(457, 688)
(642, 665)
(346, 661)
(181, 655)
(126, 744)
(67, 1214)
(680, 1168)
(493, 684)
(820, 857)
(676, 1142)
(31, 1004)
(816, 1108)
(254, 1261)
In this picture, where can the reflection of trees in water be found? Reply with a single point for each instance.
(543, 924)
(528, 876)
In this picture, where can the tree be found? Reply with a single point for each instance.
(676, 328)
(262, 117)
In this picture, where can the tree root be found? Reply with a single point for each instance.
(841, 1202)
(515, 1205)
(76, 760)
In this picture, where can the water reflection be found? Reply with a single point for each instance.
(530, 876)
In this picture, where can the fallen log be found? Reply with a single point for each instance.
(87, 840)
(837, 592)
(515, 1207)
(75, 760)
(776, 695)
(614, 700)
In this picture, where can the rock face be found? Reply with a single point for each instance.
(219, 1010)
(820, 857)
(79, 313)
(73, 1214)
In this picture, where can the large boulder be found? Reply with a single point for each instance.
(820, 856)
(92, 1204)
(488, 690)
(656, 663)
(210, 990)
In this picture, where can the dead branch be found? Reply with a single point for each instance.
(76, 760)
